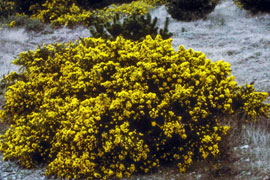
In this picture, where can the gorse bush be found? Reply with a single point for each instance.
(27, 6)
(134, 27)
(98, 109)
(254, 5)
(59, 12)
(187, 10)
(76, 12)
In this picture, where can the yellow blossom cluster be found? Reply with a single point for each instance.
(59, 12)
(250, 101)
(67, 12)
(138, 7)
(99, 109)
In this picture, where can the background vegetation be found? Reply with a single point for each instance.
(254, 6)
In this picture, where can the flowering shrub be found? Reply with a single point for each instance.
(60, 12)
(97, 109)
(187, 10)
(76, 12)
(134, 27)
(93, 4)
(254, 5)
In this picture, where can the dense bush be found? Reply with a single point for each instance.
(60, 12)
(97, 108)
(254, 5)
(134, 27)
(187, 10)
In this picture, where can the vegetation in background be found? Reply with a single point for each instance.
(254, 5)
(75, 12)
(11, 18)
(6, 9)
(134, 27)
(72, 13)
(98, 4)
(27, 7)
(30, 24)
(186, 10)
(98, 108)
(93, 4)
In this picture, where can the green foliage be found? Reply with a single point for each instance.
(189, 10)
(134, 27)
(254, 5)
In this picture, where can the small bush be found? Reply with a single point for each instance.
(187, 10)
(98, 109)
(254, 5)
(94, 4)
(134, 27)
(59, 12)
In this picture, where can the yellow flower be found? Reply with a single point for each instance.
(12, 24)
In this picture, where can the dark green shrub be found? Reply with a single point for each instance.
(134, 27)
(26, 6)
(188, 10)
(93, 4)
(254, 5)
(97, 4)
